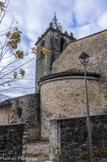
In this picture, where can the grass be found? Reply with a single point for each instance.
(98, 155)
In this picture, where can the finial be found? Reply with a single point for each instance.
(55, 23)
(55, 20)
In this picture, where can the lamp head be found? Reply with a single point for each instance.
(84, 58)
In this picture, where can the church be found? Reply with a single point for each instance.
(59, 97)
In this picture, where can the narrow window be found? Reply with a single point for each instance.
(19, 112)
(63, 44)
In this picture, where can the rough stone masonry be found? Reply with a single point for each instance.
(69, 137)
(11, 141)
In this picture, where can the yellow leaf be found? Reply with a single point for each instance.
(13, 44)
(22, 72)
(2, 6)
(41, 49)
(19, 54)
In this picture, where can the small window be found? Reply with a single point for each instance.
(19, 112)
(43, 44)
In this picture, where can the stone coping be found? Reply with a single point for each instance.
(13, 124)
(92, 35)
(50, 28)
(69, 75)
(91, 116)
(9, 103)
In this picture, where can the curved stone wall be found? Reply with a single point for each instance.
(96, 47)
(63, 97)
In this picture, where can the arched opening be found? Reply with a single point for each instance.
(19, 112)
(63, 44)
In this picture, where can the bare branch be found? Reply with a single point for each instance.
(8, 48)
(4, 10)
(13, 88)
(14, 80)
(7, 66)
(17, 68)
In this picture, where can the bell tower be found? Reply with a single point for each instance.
(55, 41)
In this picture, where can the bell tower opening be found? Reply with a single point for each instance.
(63, 44)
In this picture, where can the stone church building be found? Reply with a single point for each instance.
(59, 86)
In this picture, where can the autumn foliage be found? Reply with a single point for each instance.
(10, 38)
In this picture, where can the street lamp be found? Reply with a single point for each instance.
(84, 58)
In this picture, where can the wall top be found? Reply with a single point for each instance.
(5, 103)
(77, 117)
(64, 74)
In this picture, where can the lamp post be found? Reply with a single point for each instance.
(84, 58)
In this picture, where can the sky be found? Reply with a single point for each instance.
(81, 17)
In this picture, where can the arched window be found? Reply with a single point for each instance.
(63, 44)
(19, 112)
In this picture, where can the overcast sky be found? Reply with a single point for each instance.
(82, 17)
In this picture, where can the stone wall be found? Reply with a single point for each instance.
(26, 109)
(64, 97)
(5, 114)
(96, 47)
(11, 141)
(69, 136)
(23, 109)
